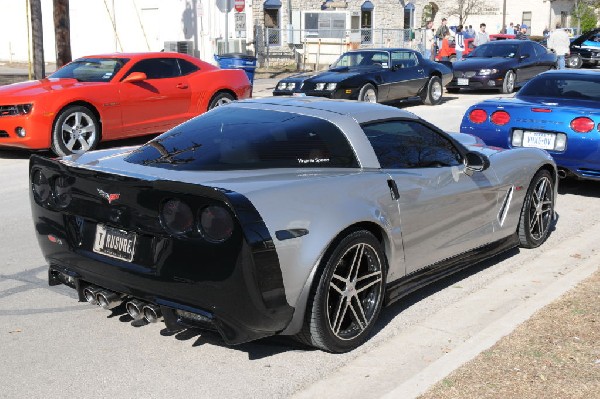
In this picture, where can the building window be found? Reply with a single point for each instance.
(325, 24)
(366, 26)
(272, 23)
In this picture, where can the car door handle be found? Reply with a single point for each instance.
(393, 189)
(181, 86)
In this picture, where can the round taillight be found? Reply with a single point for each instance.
(40, 186)
(62, 191)
(216, 223)
(177, 217)
(478, 116)
(500, 118)
(582, 124)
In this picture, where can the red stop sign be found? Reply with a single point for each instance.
(239, 5)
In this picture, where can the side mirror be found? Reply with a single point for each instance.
(476, 162)
(135, 77)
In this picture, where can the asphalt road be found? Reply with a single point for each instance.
(52, 346)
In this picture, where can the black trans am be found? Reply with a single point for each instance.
(373, 75)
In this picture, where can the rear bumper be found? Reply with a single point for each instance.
(236, 286)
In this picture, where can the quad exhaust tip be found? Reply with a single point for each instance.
(108, 299)
(90, 293)
(152, 313)
(135, 309)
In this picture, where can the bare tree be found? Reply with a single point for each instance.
(463, 8)
(62, 32)
(37, 33)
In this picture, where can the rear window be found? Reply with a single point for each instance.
(562, 86)
(230, 138)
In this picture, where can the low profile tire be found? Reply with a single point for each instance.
(509, 82)
(220, 99)
(368, 93)
(344, 305)
(75, 131)
(433, 92)
(537, 213)
(574, 61)
(452, 90)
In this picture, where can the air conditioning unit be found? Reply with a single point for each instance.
(185, 47)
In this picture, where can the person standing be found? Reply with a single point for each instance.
(441, 32)
(429, 40)
(522, 33)
(511, 29)
(482, 36)
(459, 42)
(559, 42)
(445, 50)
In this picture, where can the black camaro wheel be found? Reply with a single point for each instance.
(368, 93)
(75, 131)
(432, 94)
(538, 211)
(509, 82)
(574, 61)
(220, 99)
(345, 304)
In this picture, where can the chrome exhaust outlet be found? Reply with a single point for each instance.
(108, 299)
(90, 293)
(135, 309)
(562, 173)
(152, 313)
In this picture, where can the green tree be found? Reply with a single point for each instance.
(585, 14)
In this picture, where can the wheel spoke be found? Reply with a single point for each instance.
(88, 129)
(354, 266)
(84, 144)
(377, 278)
(336, 288)
(339, 317)
(66, 127)
(77, 118)
(70, 143)
(361, 323)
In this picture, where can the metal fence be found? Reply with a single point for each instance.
(315, 49)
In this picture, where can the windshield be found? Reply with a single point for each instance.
(560, 86)
(91, 69)
(363, 58)
(495, 50)
(231, 138)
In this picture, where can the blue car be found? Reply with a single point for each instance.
(558, 111)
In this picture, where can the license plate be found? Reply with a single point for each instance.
(462, 82)
(115, 243)
(299, 94)
(539, 140)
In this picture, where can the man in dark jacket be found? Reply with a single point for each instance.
(522, 33)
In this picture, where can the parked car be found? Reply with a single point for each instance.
(286, 215)
(585, 50)
(373, 75)
(504, 65)
(113, 96)
(558, 111)
(469, 44)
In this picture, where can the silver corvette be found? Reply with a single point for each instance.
(294, 216)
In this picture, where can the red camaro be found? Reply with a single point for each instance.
(107, 97)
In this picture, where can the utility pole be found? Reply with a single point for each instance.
(62, 32)
(37, 33)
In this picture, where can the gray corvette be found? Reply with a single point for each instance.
(296, 216)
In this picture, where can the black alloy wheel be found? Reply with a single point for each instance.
(537, 213)
(347, 300)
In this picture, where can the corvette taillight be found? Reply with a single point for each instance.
(500, 118)
(216, 223)
(177, 217)
(582, 124)
(478, 116)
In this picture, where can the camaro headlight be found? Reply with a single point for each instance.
(331, 86)
(486, 72)
(320, 86)
(286, 86)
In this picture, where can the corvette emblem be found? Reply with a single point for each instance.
(109, 197)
